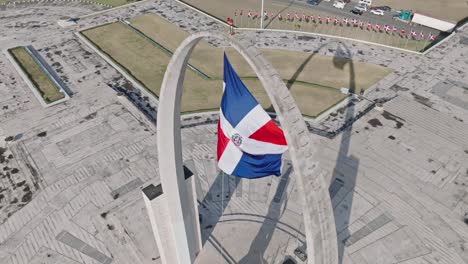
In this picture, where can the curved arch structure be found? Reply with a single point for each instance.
(317, 208)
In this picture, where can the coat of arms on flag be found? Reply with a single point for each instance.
(250, 144)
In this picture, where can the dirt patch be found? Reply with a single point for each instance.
(27, 197)
(398, 120)
(398, 88)
(374, 122)
(90, 116)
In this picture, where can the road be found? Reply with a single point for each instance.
(386, 19)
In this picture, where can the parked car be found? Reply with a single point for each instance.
(357, 11)
(365, 2)
(362, 8)
(378, 12)
(313, 2)
(384, 8)
(339, 4)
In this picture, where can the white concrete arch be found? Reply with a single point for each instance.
(317, 210)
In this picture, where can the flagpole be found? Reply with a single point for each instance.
(407, 39)
(240, 24)
(261, 21)
(222, 193)
(425, 41)
(400, 43)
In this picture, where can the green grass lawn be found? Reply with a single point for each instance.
(43, 84)
(316, 88)
(319, 69)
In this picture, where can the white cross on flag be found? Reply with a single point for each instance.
(250, 144)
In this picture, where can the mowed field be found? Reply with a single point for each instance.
(37, 76)
(451, 10)
(225, 8)
(316, 87)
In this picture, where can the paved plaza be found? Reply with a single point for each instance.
(71, 174)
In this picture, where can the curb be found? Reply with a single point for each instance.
(110, 61)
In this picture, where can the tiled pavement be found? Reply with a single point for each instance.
(399, 186)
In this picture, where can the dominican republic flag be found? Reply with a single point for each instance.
(250, 144)
(421, 35)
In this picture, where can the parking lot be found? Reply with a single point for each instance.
(387, 19)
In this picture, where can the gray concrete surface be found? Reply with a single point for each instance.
(411, 168)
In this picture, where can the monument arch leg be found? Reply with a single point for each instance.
(322, 247)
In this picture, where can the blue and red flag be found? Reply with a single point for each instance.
(250, 144)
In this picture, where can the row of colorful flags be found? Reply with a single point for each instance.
(335, 21)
